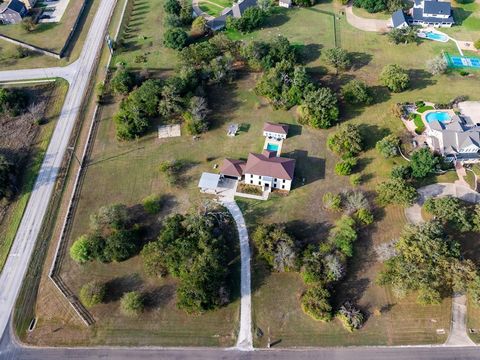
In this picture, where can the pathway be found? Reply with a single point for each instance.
(244, 341)
(78, 75)
(458, 330)
(365, 24)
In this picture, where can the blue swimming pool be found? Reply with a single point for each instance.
(441, 116)
(433, 36)
(272, 147)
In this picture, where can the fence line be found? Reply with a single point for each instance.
(54, 273)
(29, 46)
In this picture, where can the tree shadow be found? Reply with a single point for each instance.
(307, 233)
(371, 134)
(359, 59)
(159, 297)
(362, 164)
(309, 53)
(380, 94)
(421, 79)
(294, 130)
(278, 18)
(460, 15)
(120, 285)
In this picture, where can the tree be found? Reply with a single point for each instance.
(354, 201)
(265, 5)
(175, 38)
(152, 204)
(146, 98)
(346, 141)
(251, 19)
(92, 293)
(5, 173)
(171, 102)
(437, 65)
(319, 108)
(401, 172)
(396, 191)
(315, 302)
(338, 58)
(428, 261)
(364, 216)
(351, 318)
(130, 124)
(172, 7)
(131, 303)
(449, 210)
(372, 6)
(395, 78)
(199, 26)
(154, 259)
(345, 167)
(122, 82)
(356, 92)
(423, 163)
(388, 146)
(120, 245)
(476, 218)
(12, 101)
(332, 201)
(404, 35)
(28, 24)
(80, 251)
(343, 235)
(275, 246)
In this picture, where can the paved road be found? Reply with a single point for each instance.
(78, 75)
(458, 331)
(244, 341)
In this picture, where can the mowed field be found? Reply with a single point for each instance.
(37, 139)
(214, 7)
(127, 172)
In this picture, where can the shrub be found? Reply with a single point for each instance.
(388, 146)
(345, 167)
(437, 65)
(92, 293)
(403, 172)
(364, 216)
(332, 201)
(396, 191)
(249, 189)
(355, 179)
(80, 250)
(343, 235)
(355, 200)
(154, 259)
(346, 141)
(315, 303)
(356, 92)
(131, 303)
(351, 318)
(175, 38)
(477, 44)
(338, 58)
(152, 204)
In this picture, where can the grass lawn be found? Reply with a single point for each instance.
(127, 172)
(365, 14)
(211, 9)
(467, 17)
(422, 109)
(143, 38)
(54, 94)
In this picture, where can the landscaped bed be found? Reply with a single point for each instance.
(249, 189)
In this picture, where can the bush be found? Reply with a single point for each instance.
(396, 191)
(80, 251)
(343, 235)
(364, 216)
(92, 293)
(5, 176)
(355, 179)
(346, 141)
(345, 167)
(388, 146)
(131, 303)
(437, 65)
(395, 78)
(338, 58)
(152, 204)
(250, 189)
(154, 259)
(122, 82)
(175, 38)
(477, 44)
(315, 303)
(351, 318)
(403, 172)
(332, 201)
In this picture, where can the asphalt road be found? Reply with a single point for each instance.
(78, 75)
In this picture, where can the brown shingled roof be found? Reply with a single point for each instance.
(232, 167)
(277, 167)
(276, 128)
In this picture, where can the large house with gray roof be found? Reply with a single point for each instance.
(457, 139)
(236, 10)
(12, 12)
(425, 13)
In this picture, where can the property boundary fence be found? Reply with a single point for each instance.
(336, 26)
(61, 249)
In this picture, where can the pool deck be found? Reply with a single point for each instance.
(279, 143)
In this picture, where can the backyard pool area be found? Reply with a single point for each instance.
(433, 35)
(272, 147)
(442, 116)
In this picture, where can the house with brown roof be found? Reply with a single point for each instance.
(275, 131)
(233, 168)
(269, 171)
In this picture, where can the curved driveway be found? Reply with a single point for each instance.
(364, 23)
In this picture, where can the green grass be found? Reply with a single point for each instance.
(382, 15)
(211, 9)
(8, 228)
(422, 109)
(418, 121)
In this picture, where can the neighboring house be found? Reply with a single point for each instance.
(275, 131)
(458, 139)
(29, 3)
(236, 11)
(267, 169)
(285, 3)
(12, 12)
(425, 13)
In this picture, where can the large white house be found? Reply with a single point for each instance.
(267, 170)
(425, 13)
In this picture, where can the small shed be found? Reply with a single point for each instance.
(209, 182)
(232, 130)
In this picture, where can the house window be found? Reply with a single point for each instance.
(259, 177)
(283, 186)
(259, 183)
(284, 181)
(251, 181)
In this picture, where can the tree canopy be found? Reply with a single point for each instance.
(396, 191)
(346, 141)
(395, 78)
(423, 163)
(388, 146)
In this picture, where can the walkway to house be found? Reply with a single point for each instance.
(365, 24)
(458, 330)
(244, 341)
(200, 12)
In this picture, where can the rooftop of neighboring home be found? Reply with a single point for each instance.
(429, 10)
(268, 164)
(399, 18)
(276, 128)
(14, 5)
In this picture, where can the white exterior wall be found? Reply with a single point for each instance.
(283, 4)
(280, 184)
(274, 135)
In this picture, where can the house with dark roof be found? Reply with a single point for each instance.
(275, 131)
(425, 13)
(12, 12)
(236, 10)
(233, 168)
